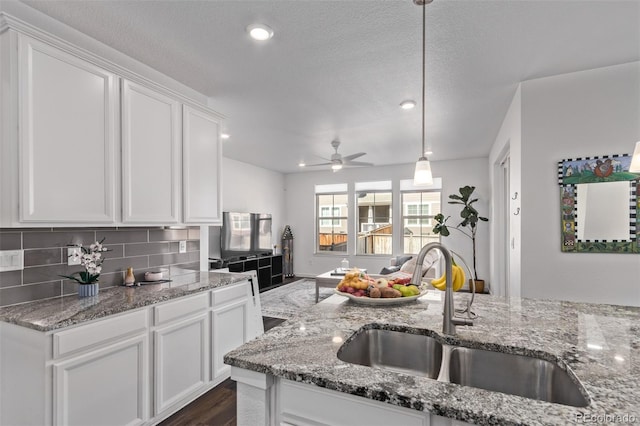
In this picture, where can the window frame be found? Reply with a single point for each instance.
(337, 220)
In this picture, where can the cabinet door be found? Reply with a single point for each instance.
(202, 154)
(229, 331)
(104, 387)
(181, 360)
(150, 156)
(67, 136)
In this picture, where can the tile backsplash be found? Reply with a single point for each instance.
(45, 257)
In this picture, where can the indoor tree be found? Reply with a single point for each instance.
(470, 217)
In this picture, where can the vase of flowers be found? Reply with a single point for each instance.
(91, 260)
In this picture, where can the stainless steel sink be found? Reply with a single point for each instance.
(514, 374)
(408, 353)
(425, 356)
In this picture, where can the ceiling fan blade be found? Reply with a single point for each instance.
(319, 164)
(354, 156)
(358, 163)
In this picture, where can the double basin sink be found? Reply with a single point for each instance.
(425, 356)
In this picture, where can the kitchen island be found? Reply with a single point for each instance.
(292, 373)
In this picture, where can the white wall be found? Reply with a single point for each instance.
(587, 113)
(300, 204)
(250, 189)
(508, 142)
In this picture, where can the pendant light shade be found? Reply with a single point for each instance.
(422, 174)
(635, 160)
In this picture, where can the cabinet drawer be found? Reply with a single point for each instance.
(102, 331)
(180, 308)
(264, 261)
(229, 293)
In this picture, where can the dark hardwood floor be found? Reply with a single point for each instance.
(216, 407)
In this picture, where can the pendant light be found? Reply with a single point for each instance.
(635, 159)
(422, 175)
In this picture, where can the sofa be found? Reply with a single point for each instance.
(407, 264)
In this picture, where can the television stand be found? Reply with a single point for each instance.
(268, 268)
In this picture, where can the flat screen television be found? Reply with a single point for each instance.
(245, 234)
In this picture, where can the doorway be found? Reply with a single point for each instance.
(506, 241)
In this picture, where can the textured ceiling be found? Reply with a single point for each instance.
(340, 68)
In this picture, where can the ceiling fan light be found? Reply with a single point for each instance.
(634, 167)
(422, 175)
(336, 167)
(301, 164)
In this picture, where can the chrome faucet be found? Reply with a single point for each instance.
(449, 321)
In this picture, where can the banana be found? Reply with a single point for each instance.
(459, 278)
(438, 281)
(457, 281)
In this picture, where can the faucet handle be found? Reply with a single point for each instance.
(462, 321)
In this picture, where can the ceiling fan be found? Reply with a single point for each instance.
(337, 161)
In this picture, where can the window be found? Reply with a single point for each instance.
(418, 210)
(332, 218)
(374, 206)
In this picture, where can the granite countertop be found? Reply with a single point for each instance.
(54, 314)
(599, 343)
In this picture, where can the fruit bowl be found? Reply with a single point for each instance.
(365, 300)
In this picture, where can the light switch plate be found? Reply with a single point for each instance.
(182, 247)
(73, 257)
(11, 260)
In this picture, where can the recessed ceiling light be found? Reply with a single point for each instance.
(260, 32)
(224, 135)
(408, 104)
(429, 151)
(301, 164)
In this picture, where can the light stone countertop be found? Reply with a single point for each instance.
(600, 344)
(57, 313)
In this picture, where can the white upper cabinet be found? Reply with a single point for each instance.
(67, 137)
(86, 142)
(202, 154)
(151, 124)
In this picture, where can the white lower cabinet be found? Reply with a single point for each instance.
(104, 387)
(181, 355)
(229, 326)
(265, 400)
(137, 367)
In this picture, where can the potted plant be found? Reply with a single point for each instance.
(91, 260)
(468, 226)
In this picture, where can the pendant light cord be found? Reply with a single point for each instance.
(424, 54)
